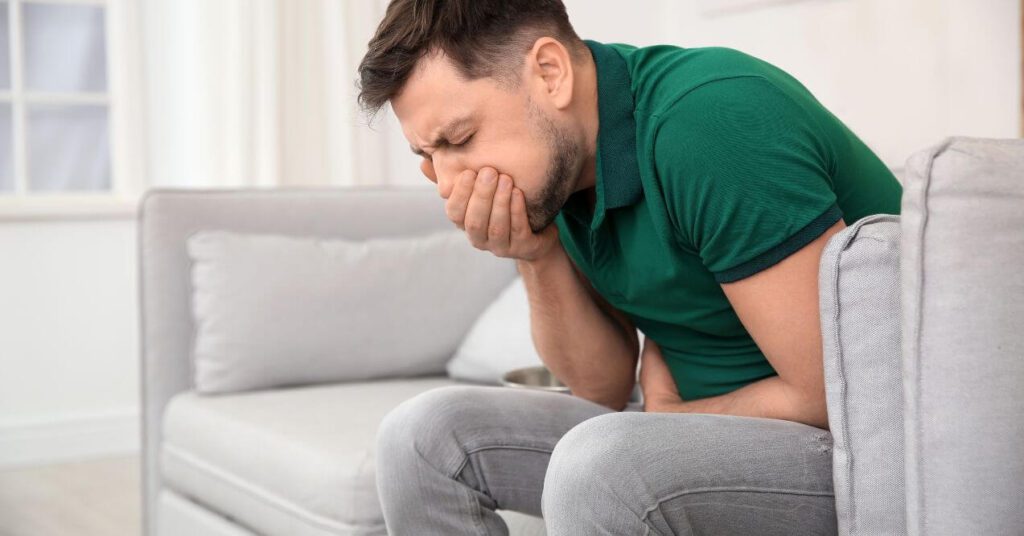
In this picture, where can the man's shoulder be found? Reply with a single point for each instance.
(662, 74)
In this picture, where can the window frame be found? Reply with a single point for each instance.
(123, 100)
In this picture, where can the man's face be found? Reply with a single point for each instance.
(458, 125)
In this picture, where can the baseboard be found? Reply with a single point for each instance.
(68, 438)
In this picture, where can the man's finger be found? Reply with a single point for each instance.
(446, 183)
(499, 229)
(478, 211)
(521, 231)
(455, 207)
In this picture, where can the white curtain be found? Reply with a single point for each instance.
(260, 93)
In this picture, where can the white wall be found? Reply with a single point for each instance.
(901, 74)
(68, 343)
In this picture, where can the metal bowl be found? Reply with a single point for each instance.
(538, 377)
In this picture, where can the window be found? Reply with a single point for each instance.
(59, 125)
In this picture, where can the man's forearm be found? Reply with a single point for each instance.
(579, 343)
(771, 398)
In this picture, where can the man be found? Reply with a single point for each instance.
(685, 192)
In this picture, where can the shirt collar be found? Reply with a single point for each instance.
(617, 180)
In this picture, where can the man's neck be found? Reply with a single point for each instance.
(587, 94)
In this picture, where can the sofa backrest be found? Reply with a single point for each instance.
(167, 217)
(962, 269)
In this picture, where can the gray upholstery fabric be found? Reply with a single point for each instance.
(180, 516)
(860, 328)
(286, 462)
(168, 216)
(273, 310)
(963, 337)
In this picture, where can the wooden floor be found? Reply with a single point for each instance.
(93, 498)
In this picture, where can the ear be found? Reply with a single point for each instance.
(551, 65)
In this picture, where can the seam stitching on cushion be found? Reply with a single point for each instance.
(916, 336)
(844, 418)
(832, 278)
(256, 491)
(844, 424)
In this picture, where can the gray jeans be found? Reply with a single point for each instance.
(448, 457)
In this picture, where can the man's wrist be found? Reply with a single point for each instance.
(552, 256)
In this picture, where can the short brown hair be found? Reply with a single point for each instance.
(483, 38)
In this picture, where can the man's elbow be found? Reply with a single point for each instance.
(806, 405)
(613, 400)
(819, 419)
(816, 407)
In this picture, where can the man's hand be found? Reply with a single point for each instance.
(492, 211)
(659, 389)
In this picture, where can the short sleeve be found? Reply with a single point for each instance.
(745, 173)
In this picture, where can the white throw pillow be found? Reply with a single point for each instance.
(499, 340)
(275, 310)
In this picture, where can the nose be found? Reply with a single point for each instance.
(427, 167)
(442, 171)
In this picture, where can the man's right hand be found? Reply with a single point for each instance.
(492, 211)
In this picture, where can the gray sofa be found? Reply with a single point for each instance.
(923, 331)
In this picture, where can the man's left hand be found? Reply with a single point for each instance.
(659, 389)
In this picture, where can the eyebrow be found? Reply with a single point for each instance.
(443, 134)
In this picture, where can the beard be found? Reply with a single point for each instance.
(562, 171)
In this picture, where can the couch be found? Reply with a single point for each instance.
(922, 331)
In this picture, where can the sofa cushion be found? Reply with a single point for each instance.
(285, 462)
(290, 462)
(963, 337)
(860, 327)
(498, 341)
(275, 310)
(178, 516)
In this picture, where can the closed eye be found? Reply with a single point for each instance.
(464, 142)
(443, 143)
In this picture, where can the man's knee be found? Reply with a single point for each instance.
(589, 463)
(424, 428)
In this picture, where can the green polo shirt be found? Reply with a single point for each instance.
(712, 165)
